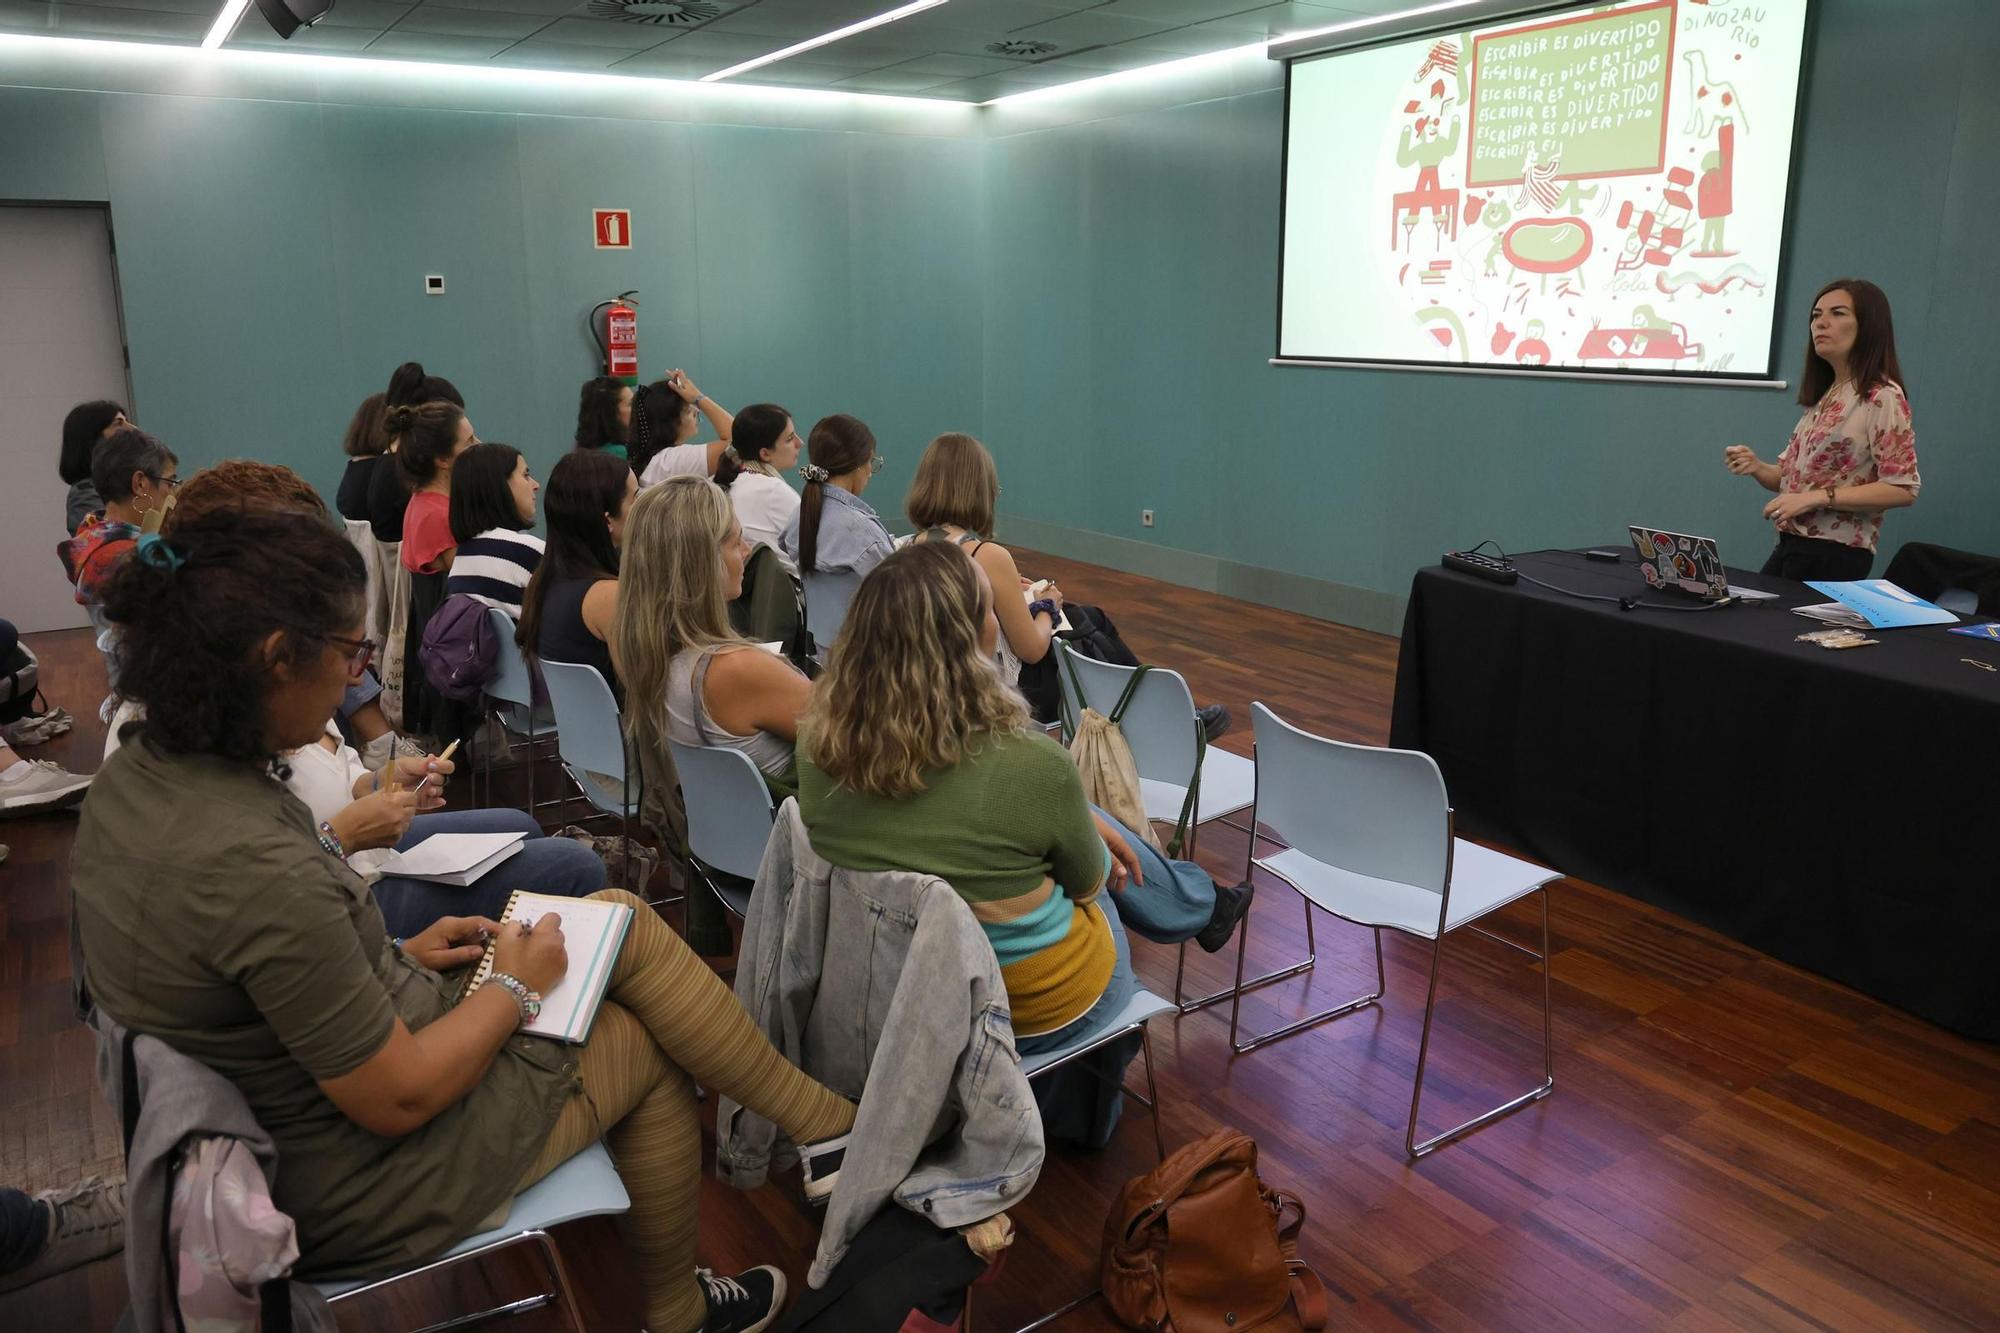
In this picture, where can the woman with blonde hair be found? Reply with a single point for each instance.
(915, 755)
(688, 675)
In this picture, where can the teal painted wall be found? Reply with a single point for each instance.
(1093, 295)
(271, 256)
(1131, 300)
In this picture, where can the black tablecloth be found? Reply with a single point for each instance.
(1831, 808)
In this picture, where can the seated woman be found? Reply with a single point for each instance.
(492, 517)
(567, 609)
(666, 414)
(766, 446)
(406, 1116)
(430, 437)
(688, 675)
(835, 532)
(604, 416)
(366, 814)
(388, 487)
(914, 756)
(86, 424)
(135, 476)
(952, 498)
(367, 448)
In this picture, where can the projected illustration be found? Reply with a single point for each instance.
(1602, 189)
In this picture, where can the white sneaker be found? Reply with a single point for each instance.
(43, 787)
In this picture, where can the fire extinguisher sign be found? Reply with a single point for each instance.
(613, 228)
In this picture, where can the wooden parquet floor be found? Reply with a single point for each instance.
(1732, 1143)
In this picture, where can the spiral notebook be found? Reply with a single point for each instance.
(593, 933)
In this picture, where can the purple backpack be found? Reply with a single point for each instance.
(459, 653)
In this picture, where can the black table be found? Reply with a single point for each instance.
(1834, 809)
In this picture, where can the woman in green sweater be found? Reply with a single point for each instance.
(915, 756)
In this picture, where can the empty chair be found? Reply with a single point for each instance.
(729, 818)
(1182, 779)
(591, 740)
(1369, 839)
(512, 687)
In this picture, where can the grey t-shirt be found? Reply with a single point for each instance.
(211, 919)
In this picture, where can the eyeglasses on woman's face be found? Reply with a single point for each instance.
(360, 652)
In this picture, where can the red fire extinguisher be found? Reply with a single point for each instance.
(620, 343)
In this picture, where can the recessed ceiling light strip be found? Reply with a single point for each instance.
(225, 23)
(825, 38)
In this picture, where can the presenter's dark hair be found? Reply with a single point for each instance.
(429, 432)
(586, 486)
(409, 386)
(839, 444)
(258, 587)
(758, 427)
(481, 498)
(1873, 359)
(597, 414)
(82, 428)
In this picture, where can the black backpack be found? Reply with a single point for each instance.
(1090, 634)
(20, 685)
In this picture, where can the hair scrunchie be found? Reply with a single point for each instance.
(814, 472)
(156, 551)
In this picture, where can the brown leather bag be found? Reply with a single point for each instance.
(1201, 1245)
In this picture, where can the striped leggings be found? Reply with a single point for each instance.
(667, 1023)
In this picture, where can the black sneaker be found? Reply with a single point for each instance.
(1214, 719)
(745, 1303)
(1230, 905)
(819, 1166)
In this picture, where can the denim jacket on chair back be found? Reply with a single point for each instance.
(882, 986)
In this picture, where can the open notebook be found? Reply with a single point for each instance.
(594, 932)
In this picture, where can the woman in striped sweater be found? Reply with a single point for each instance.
(492, 509)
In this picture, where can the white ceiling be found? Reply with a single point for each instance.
(946, 52)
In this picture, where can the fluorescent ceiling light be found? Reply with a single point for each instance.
(917, 7)
(225, 23)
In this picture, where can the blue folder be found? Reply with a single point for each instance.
(1883, 605)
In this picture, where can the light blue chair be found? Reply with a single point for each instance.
(729, 817)
(590, 737)
(511, 687)
(827, 596)
(1161, 726)
(1368, 836)
(1142, 1008)
(587, 1185)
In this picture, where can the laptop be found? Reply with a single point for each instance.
(1679, 562)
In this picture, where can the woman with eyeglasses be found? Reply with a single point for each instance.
(213, 914)
(135, 476)
(835, 531)
(396, 807)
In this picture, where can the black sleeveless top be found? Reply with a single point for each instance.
(564, 637)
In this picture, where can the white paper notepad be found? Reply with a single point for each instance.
(593, 933)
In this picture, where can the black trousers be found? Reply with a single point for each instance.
(1802, 558)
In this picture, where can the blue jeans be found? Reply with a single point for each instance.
(1176, 900)
(559, 866)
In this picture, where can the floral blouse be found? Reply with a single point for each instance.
(1841, 442)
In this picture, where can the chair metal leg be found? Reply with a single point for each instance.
(563, 1295)
(1187, 1006)
(1548, 1083)
(1054, 1315)
(1236, 1004)
(1152, 1090)
(1306, 965)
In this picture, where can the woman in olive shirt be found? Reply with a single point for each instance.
(213, 917)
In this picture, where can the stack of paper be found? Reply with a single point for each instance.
(453, 858)
(1883, 605)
